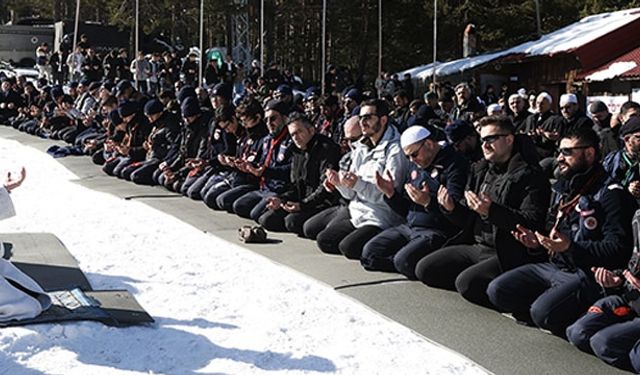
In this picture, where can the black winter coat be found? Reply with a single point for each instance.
(523, 199)
(307, 173)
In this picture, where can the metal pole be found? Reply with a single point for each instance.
(202, 54)
(538, 18)
(262, 37)
(137, 27)
(75, 27)
(324, 44)
(379, 37)
(435, 38)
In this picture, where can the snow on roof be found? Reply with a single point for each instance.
(614, 70)
(577, 34)
(625, 66)
(565, 39)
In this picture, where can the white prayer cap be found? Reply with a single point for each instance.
(568, 98)
(544, 95)
(413, 134)
(493, 108)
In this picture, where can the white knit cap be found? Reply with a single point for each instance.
(544, 95)
(568, 98)
(413, 134)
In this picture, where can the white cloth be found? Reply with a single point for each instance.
(6, 204)
(15, 304)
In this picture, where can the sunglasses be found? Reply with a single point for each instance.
(414, 154)
(490, 139)
(568, 151)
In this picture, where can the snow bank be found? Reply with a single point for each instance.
(219, 308)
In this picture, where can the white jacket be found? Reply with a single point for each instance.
(15, 304)
(367, 205)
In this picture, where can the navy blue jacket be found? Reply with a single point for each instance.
(450, 169)
(600, 226)
(276, 176)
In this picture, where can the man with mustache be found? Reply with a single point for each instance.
(590, 227)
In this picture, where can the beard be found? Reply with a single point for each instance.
(568, 171)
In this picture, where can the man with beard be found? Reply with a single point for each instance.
(366, 214)
(623, 165)
(589, 226)
(503, 189)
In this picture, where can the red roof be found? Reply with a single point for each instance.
(632, 56)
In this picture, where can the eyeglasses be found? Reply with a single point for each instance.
(271, 118)
(414, 154)
(568, 151)
(366, 116)
(490, 139)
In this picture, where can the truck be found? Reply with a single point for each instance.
(18, 43)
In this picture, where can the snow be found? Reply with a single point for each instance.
(220, 309)
(614, 70)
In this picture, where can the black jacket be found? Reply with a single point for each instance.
(193, 140)
(522, 199)
(138, 131)
(307, 173)
(164, 136)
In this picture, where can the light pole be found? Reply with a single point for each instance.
(379, 37)
(75, 27)
(538, 18)
(202, 54)
(324, 45)
(435, 38)
(137, 27)
(262, 37)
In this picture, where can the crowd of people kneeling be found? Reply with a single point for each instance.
(518, 209)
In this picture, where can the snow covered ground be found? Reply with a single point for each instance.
(219, 309)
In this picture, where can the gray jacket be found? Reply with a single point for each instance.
(367, 205)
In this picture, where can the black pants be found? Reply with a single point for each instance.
(342, 237)
(316, 223)
(554, 298)
(283, 221)
(400, 248)
(466, 268)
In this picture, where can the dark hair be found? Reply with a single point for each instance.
(624, 108)
(299, 117)
(224, 113)
(249, 107)
(329, 100)
(110, 100)
(586, 136)
(401, 93)
(503, 122)
(382, 108)
(416, 103)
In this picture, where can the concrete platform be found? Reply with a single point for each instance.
(493, 341)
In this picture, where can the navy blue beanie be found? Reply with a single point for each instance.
(186, 92)
(56, 92)
(114, 117)
(190, 107)
(222, 89)
(127, 108)
(152, 107)
(278, 106)
(458, 131)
